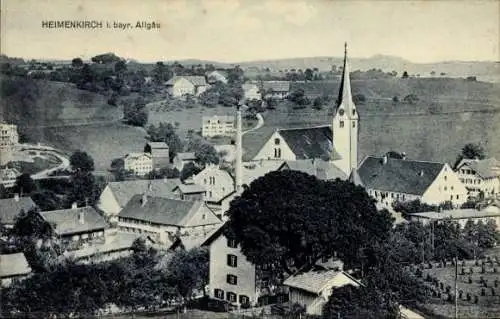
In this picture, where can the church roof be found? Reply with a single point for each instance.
(310, 142)
(398, 175)
(345, 95)
(324, 170)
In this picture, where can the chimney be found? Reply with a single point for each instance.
(403, 156)
(144, 199)
(384, 160)
(16, 197)
(81, 216)
(74, 205)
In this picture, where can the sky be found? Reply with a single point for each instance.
(246, 30)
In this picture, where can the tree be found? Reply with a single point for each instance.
(24, 185)
(473, 151)
(290, 219)
(80, 161)
(405, 75)
(309, 74)
(166, 132)
(188, 271)
(395, 99)
(136, 114)
(433, 73)
(120, 66)
(161, 73)
(30, 224)
(189, 170)
(77, 63)
(105, 58)
(204, 152)
(165, 172)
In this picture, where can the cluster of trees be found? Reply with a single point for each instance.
(145, 280)
(136, 113)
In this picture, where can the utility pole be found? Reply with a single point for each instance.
(456, 287)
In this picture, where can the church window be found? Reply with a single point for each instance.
(353, 124)
(341, 112)
(277, 152)
(353, 112)
(341, 123)
(276, 141)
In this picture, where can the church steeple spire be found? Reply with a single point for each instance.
(345, 95)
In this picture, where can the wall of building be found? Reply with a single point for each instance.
(476, 184)
(108, 204)
(217, 182)
(446, 187)
(139, 165)
(181, 87)
(218, 126)
(271, 150)
(219, 269)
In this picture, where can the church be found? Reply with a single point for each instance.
(337, 143)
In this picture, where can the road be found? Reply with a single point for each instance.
(260, 123)
(45, 173)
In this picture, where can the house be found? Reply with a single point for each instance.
(162, 218)
(13, 268)
(390, 180)
(190, 191)
(480, 176)
(182, 159)
(76, 227)
(193, 241)
(461, 216)
(217, 182)
(251, 91)
(324, 170)
(10, 208)
(218, 125)
(139, 163)
(216, 76)
(159, 153)
(9, 138)
(312, 289)
(275, 89)
(221, 206)
(255, 169)
(179, 86)
(8, 177)
(337, 143)
(117, 194)
(115, 246)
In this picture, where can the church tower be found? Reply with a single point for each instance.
(345, 124)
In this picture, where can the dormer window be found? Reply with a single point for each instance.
(276, 141)
(341, 112)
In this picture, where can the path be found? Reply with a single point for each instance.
(260, 123)
(45, 173)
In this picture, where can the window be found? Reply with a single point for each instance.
(277, 152)
(451, 187)
(244, 300)
(445, 177)
(353, 112)
(231, 296)
(231, 243)
(353, 124)
(204, 216)
(445, 188)
(276, 141)
(205, 180)
(341, 124)
(232, 279)
(458, 196)
(232, 260)
(219, 293)
(210, 194)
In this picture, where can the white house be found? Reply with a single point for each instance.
(252, 91)
(218, 125)
(117, 194)
(390, 180)
(179, 86)
(216, 76)
(217, 182)
(276, 89)
(161, 218)
(480, 176)
(139, 163)
(182, 159)
(312, 289)
(8, 177)
(337, 143)
(9, 138)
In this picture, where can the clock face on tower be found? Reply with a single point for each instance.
(341, 112)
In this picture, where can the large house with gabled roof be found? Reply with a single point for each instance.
(480, 176)
(179, 86)
(10, 208)
(391, 180)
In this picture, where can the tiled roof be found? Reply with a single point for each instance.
(313, 142)
(255, 169)
(13, 265)
(192, 241)
(222, 118)
(313, 281)
(136, 155)
(165, 211)
(486, 168)
(194, 79)
(10, 208)
(276, 86)
(187, 156)
(120, 241)
(67, 221)
(154, 145)
(124, 191)
(398, 175)
(459, 214)
(324, 170)
(253, 141)
(249, 86)
(355, 179)
(191, 188)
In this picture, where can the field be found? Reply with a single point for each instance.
(488, 306)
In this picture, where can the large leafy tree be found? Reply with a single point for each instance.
(187, 271)
(204, 152)
(166, 132)
(25, 184)
(82, 162)
(291, 219)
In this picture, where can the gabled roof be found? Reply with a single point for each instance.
(165, 211)
(459, 213)
(196, 80)
(249, 86)
(276, 86)
(187, 156)
(194, 241)
(67, 221)
(324, 170)
(398, 175)
(255, 169)
(124, 191)
(215, 234)
(13, 265)
(10, 208)
(486, 168)
(131, 156)
(316, 281)
(223, 118)
(190, 188)
(310, 142)
(155, 145)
